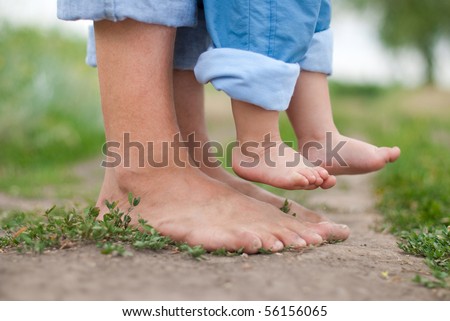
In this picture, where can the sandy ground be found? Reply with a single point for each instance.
(368, 266)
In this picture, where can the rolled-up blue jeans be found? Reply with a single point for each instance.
(258, 47)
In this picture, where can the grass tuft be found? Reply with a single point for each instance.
(286, 206)
(225, 252)
(61, 229)
(434, 245)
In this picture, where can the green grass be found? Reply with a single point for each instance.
(414, 193)
(49, 107)
(61, 229)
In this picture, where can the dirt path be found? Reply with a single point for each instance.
(368, 266)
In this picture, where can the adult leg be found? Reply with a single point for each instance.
(311, 116)
(135, 73)
(189, 106)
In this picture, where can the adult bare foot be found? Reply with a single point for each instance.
(188, 206)
(320, 142)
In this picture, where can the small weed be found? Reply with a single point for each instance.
(196, 252)
(264, 251)
(225, 252)
(286, 206)
(113, 249)
(59, 229)
(434, 245)
(431, 284)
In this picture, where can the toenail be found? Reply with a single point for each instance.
(277, 246)
(257, 244)
(304, 181)
(343, 226)
(317, 239)
(299, 242)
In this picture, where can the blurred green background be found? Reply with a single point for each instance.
(49, 107)
(51, 127)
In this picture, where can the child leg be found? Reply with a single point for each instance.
(311, 115)
(320, 142)
(257, 46)
(261, 155)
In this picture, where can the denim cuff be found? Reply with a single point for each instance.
(249, 76)
(190, 43)
(91, 54)
(173, 13)
(319, 57)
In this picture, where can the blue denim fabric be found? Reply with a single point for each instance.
(258, 45)
(91, 54)
(277, 29)
(324, 19)
(172, 13)
(243, 76)
(319, 57)
(289, 33)
(190, 43)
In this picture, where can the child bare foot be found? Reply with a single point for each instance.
(261, 156)
(320, 142)
(341, 155)
(279, 166)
